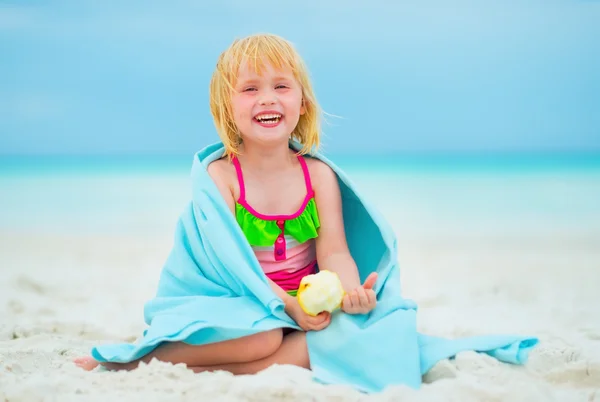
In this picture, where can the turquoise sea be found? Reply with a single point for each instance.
(422, 194)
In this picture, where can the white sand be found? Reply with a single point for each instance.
(59, 296)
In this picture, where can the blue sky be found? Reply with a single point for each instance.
(83, 77)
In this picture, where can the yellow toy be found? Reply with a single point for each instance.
(320, 292)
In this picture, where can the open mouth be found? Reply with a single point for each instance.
(268, 119)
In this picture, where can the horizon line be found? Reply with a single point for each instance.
(353, 153)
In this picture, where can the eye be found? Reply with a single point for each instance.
(249, 89)
(280, 86)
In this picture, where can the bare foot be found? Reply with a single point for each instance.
(87, 363)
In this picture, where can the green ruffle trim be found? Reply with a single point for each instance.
(263, 233)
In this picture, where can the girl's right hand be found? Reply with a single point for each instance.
(305, 321)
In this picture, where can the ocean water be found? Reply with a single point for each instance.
(420, 195)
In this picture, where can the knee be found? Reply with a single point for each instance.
(263, 344)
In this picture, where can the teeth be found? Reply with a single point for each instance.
(268, 117)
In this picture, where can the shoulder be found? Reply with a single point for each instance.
(321, 174)
(221, 168)
(222, 172)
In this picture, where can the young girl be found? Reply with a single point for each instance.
(287, 204)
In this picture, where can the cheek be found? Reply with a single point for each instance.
(295, 101)
(241, 107)
(297, 105)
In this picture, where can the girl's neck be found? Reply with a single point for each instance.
(266, 160)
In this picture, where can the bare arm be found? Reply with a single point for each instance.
(332, 249)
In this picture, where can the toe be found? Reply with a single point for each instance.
(86, 362)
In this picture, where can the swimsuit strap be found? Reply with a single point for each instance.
(240, 176)
(309, 189)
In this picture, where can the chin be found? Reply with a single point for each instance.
(269, 138)
(273, 141)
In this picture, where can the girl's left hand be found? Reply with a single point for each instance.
(362, 299)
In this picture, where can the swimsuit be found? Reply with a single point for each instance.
(283, 244)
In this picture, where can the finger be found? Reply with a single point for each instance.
(347, 305)
(370, 281)
(346, 302)
(318, 319)
(305, 326)
(326, 315)
(362, 298)
(371, 297)
(322, 325)
(354, 298)
(313, 322)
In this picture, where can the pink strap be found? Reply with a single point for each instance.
(309, 189)
(240, 176)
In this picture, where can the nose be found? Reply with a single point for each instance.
(267, 98)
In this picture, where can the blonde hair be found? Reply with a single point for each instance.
(261, 49)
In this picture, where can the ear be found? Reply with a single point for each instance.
(302, 108)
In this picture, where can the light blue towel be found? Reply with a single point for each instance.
(213, 289)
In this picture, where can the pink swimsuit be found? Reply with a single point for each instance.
(283, 244)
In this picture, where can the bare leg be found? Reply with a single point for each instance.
(293, 351)
(246, 349)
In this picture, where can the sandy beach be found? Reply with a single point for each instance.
(62, 292)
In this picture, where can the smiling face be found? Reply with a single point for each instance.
(266, 104)
(275, 82)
